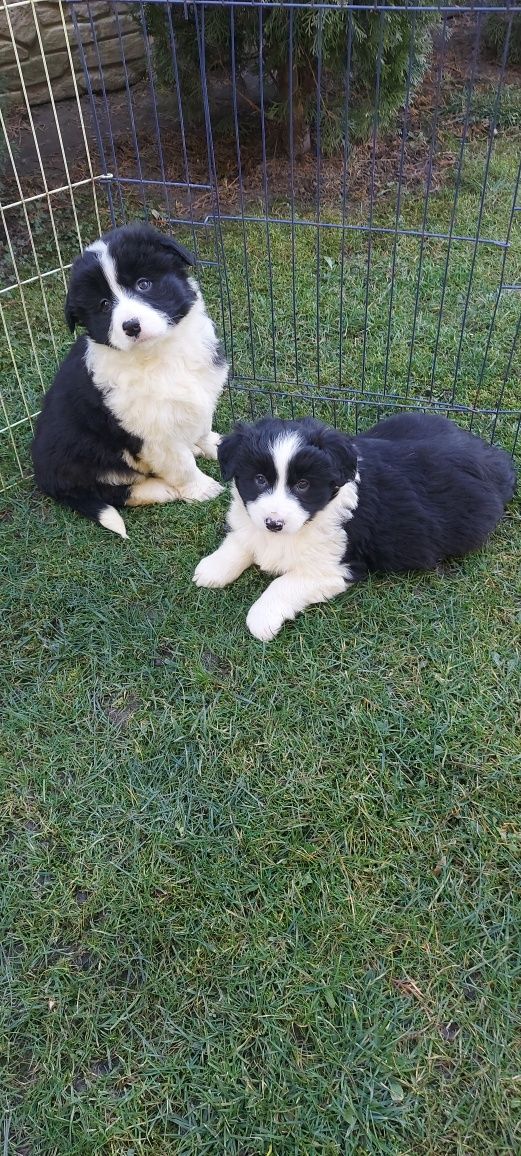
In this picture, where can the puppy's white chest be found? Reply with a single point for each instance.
(160, 391)
(156, 402)
(316, 550)
(310, 551)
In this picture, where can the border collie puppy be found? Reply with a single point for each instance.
(133, 402)
(322, 509)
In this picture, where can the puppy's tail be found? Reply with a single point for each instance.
(97, 511)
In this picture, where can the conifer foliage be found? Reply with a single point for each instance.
(311, 59)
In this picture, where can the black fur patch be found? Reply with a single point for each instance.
(428, 491)
(78, 439)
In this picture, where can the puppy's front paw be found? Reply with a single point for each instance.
(202, 490)
(210, 572)
(208, 444)
(264, 621)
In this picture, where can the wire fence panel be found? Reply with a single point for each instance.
(347, 175)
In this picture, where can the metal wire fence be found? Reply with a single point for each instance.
(352, 266)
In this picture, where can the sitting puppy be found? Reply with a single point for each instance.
(134, 399)
(322, 509)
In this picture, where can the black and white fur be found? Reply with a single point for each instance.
(132, 403)
(321, 509)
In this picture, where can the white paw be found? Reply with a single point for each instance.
(264, 622)
(151, 490)
(201, 490)
(208, 445)
(210, 573)
(160, 492)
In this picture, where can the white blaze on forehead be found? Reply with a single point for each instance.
(101, 251)
(279, 503)
(284, 449)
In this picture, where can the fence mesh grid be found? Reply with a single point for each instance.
(349, 275)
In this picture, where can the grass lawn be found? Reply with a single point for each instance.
(255, 899)
(264, 901)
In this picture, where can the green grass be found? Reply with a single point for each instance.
(255, 899)
(264, 901)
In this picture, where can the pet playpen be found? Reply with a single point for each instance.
(347, 176)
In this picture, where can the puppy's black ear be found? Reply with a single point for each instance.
(228, 450)
(175, 247)
(340, 450)
(70, 315)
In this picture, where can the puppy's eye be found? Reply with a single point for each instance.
(301, 486)
(143, 285)
(260, 481)
(105, 305)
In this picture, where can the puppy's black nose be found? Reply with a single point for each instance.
(132, 328)
(273, 525)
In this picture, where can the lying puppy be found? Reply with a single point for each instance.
(134, 399)
(322, 509)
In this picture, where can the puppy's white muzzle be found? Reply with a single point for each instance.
(277, 513)
(134, 322)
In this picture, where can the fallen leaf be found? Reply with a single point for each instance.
(408, 987)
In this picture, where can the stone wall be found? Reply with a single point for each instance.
(116, 33)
